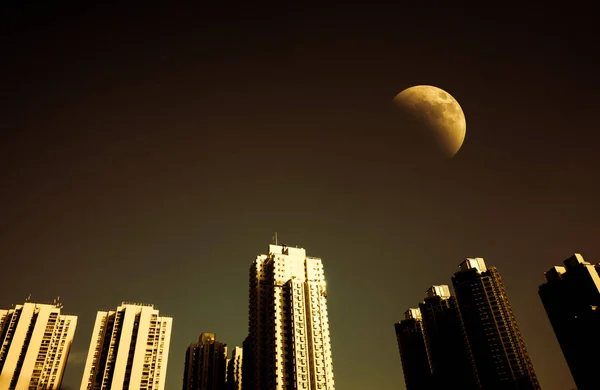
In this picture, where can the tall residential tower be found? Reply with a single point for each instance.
(496, 343)
(234, 369)
(413, 351)
(205, 366)
(35, 340)
(571, 297)
(449, 352)
(248, 374)
(288, 323)
(129, 349)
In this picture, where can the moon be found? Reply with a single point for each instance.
(438, 112)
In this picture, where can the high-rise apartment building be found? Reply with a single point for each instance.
(205, 364)
(288, 323)
(571, 297)
(413, 351)
(35, 340)
(227, 360)
(234, 369)
(248, 376)
(129, 349)
(449, 353)
(496, 343)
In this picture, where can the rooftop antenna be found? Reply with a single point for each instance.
(28, 298)
(275, 238)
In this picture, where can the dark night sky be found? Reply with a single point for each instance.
(148, 154)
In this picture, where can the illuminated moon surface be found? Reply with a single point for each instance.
(438, 112)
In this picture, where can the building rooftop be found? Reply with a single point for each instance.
(123, 303)
(555, 273)
(473, 263)
(413, 314)
(575, 260)
(442, 291)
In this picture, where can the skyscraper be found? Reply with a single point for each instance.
(205, 366)
(129, 349)
(234, 370)
(449, 353)
(413, 351)
(571, 297)
(35, 340)
(248, 375)
(288, 323)
(496, 343)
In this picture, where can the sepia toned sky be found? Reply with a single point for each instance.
(150, 153)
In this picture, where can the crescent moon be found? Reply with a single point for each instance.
(439, 112)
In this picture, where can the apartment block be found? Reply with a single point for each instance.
(289, 336)
(35, 340)
(129, 349)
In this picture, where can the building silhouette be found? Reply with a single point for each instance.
(129, 349)
(288, 323)
(227, 360)
(35, 340)
(496, 343)
(413, 351)
(234, 369)
(447, 346)
(205, 364)
(571, 297)
(248, 366)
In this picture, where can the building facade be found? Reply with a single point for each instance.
(205, 364)
(288, 323)
(129, 349)
(227, 371)
(413, 351)
(496, 343)
(248, 366)
(35, 340)
(234, 369)
(571, 297)
(449, 353)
